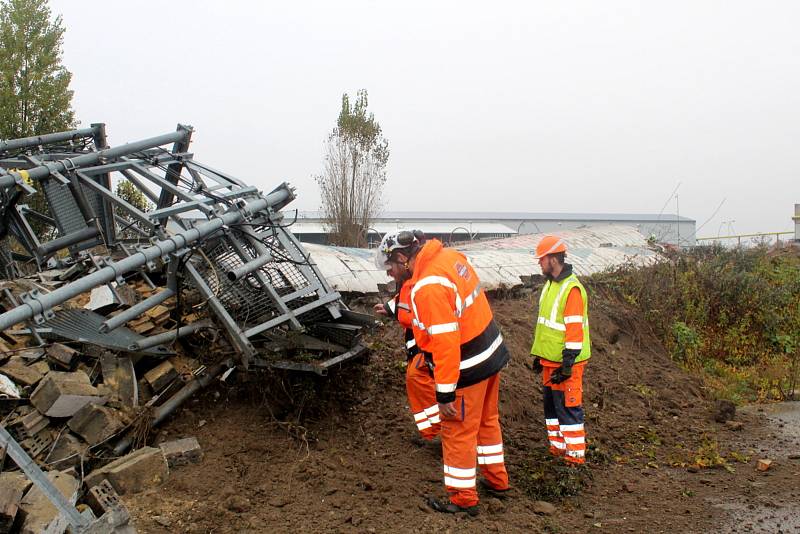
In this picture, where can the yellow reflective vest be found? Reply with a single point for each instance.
(550, 332)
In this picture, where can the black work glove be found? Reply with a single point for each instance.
(537, 366)
(562, 373)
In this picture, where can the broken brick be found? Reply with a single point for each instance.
(61, 355)
(140, 470)
(63, 394)
(96, 423)
(160, 376)
(182, 452)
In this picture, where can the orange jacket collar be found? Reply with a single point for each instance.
(429, 250)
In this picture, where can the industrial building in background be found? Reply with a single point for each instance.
(455, 227)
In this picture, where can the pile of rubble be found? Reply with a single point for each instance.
(76, 408)
(105, 306)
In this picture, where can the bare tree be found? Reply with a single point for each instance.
(352, 183)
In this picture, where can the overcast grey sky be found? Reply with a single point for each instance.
(488, 106)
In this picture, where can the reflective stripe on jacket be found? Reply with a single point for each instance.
(453, 321)
(550, 335)
(400, 308)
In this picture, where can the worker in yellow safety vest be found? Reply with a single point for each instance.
(561, 347)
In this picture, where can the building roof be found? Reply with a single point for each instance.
(432, 227)
(499, 263)
(515, 215)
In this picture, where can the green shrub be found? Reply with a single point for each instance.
(732, 314)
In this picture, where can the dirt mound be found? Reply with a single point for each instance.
(337, 456)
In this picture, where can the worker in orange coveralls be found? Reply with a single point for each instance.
(420, 386)
(453, 325)
(561, 347)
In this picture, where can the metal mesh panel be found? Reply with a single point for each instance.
(246, 300)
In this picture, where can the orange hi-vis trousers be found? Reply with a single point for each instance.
(474, 436)
(563, 413)
(421, 390)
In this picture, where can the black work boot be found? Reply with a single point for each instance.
(450, 508)
(493, 492)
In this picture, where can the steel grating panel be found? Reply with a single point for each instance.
(64, 209)
(84, 326)
(246, 300)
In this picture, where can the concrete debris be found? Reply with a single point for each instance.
(161, 376)
(114, 521)
(182, 452)
(734, 425)
(31, 355)
(102, 497)
(12, 486)
(543, 508)
(8, 389)
(96, 423)
(39, 514)
(140, 470)
(34, 422)
(61, 355)
(119, 377)
(63, 394)
(40, 367)
(17, 370)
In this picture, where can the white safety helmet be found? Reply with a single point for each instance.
(399, 240)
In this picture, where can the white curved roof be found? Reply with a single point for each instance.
(499, 262)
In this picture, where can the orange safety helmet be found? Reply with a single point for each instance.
(550, 244)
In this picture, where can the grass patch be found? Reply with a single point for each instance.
(545, 478)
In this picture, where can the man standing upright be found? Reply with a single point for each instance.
(453, 325)
(561, 347)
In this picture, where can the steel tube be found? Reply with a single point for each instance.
(46, 169)
(252, 265)
(37, 476)
(25, 142)
(135, 310)
(169, 335)
(67, 241)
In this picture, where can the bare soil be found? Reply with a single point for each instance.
(296, 454)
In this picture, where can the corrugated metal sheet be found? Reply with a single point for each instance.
(499, 262)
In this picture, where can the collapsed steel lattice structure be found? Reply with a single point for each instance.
(225, 238)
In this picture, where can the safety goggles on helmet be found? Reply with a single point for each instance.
(394, 241)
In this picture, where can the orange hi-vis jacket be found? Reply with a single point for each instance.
(400, 308)
(453, 322)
